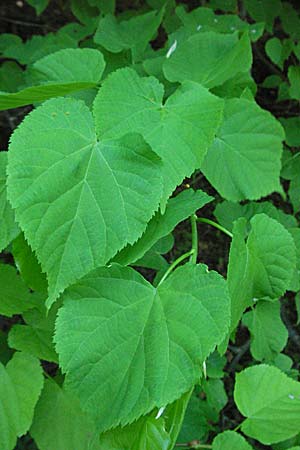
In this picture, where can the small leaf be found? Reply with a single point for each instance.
(152, 360)
(36, 337)
(270, 401)
(15, 297)
(244, 160)
(260, 268)
(20, 387)
(38, 5)
(96, 196)
(268, 333)
(26, 375)
(294, 79)
(133, 34)
(230, 440)
(209, 58)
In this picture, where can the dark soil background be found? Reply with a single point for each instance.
(19, 18)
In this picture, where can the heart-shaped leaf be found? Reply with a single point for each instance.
(78, 200)
(127, 347)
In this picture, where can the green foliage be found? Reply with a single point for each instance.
(147, 118)
(272, 414)
(18, 399)
(181, 149)
(169, 357)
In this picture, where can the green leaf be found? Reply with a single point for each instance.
(54, 408)
(8, 227)
(28, 265)
(224, 5)
(149, 338)
(274, 51)
(38, 46)
(294, 193)
(244, 160)
(215, 394)
(11, 76)
(15, 297)
(270, 401)
(20, 387)
(133, 34)
(264, 11)
(38, 5)
(58, 74)
(230, 440)
(146, 433)
(273, 254)
(209, 58)
(292, 130)
(203, 19)
(195, 425)
(215, 364)
(127, 102)
(178, 209)
(8, 40)
(268, 333)
(36, 337)
(290, 20)
(26, 375)
(294, 79)
(174, 415)
(54, 184)
(105, 6)
(227, 212)
(261, 268)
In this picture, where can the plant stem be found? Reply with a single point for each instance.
(175, 264)
(237, 427)
(194, 255)
(215, 224)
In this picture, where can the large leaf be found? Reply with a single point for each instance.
(209, 58)
(230, 440)
(58, 74)
(244, 160)
(133, 34)
(60, 424)
(270, 402)
(268, 333)
(8, 227)
(177, 209)
(127, 347)
(15, 297)
(262, 267)
(78, 200)
(180, 131)
(20, 387)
